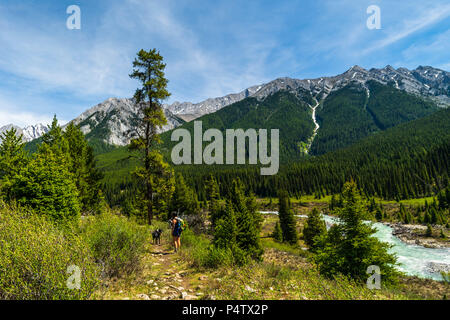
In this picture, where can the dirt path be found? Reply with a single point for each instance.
(165, 275)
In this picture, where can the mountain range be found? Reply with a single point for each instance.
(29, 133)
(107, 121)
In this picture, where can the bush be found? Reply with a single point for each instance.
(35, 257)
(202, 253)
(117, 243)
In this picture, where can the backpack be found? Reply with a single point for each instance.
(181, 224)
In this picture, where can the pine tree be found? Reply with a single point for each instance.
(349, 247)
(148, 68)
(225, 232)
(315, 228)
(184, 199)
(82, 166)
(12, 159)
(402, 213)
(287, 219)
(429, 231)
(213, 197)
(47, 186)
(248, 226)
(378, 214)
(277, 234)
(55, 140)
(333, 203)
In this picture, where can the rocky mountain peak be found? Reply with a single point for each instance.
(115, 116)
(28, 133)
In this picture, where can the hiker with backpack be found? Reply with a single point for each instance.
(178, 226)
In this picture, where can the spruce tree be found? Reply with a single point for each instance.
(248, 225)
(12, 159)
(287, 219)
(429, 231)
(83, 167)
(378, 214)
(314, 229)
(225, 232)
(213, 197)
(184, 199)
(277, 234)
(47, 186)
(349, 247)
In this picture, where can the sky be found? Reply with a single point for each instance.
(211, 48)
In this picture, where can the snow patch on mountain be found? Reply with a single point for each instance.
(111, 119)
(28, 133)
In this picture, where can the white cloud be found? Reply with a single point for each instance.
(60, 59)
(23, 119)
(12, 111)
(408, 27)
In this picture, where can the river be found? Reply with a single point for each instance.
(413, 259)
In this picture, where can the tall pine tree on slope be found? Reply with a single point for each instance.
(148, 68)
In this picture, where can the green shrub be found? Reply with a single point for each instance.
(35, 257)
(116, 242)
(202, 254)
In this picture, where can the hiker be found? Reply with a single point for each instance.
(177, 228)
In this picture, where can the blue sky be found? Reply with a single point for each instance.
(211, 48)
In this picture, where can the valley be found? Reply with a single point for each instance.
(382, 133)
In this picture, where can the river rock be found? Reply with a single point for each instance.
(437, 267)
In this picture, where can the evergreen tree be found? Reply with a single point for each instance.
(225, 232)
(402, 214)
(429, 231)
(47, 186)
(334, 203)
(287, 219)
(12, 159)
(314, 229)
(148, 68)
(277, 234)
(248, 225)
(378, 214)
(83, 168)
(184, 199)
(55, 140)
(349, 247)
(213, 197)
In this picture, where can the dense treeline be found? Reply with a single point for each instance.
(60, 180)
(270, 113)
(354, 112)
(408, 161)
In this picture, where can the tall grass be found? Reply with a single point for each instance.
(117, 243)
(35, 257)
(202, 254)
